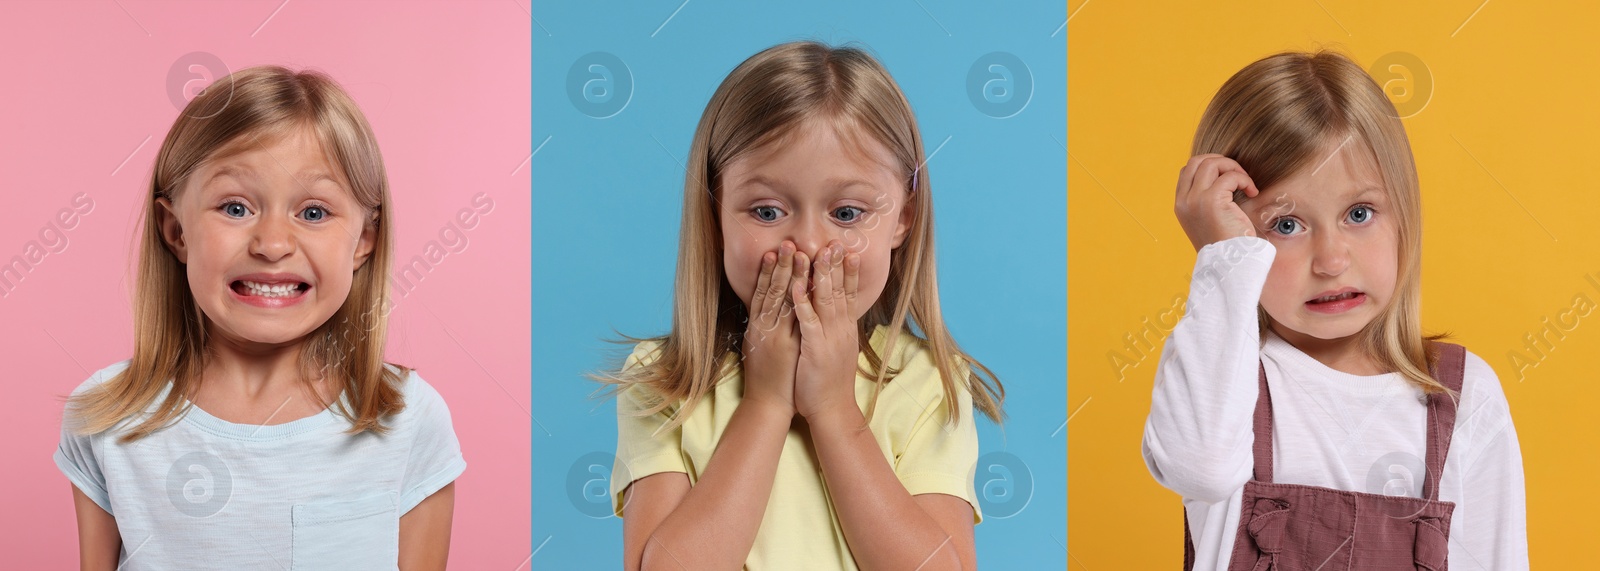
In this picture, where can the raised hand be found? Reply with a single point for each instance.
(771, 339)
(1205, 204)
(826, 372)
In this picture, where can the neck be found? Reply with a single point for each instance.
(254, 370)
(1345, 354)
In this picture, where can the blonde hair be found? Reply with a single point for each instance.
(1278, 115)
(764, 99)
(234, 114)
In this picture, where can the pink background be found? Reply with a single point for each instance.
(446, 88)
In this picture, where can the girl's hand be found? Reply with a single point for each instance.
(826, 376)
(1205, 204)
(771, 341)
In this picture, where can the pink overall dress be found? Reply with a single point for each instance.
(1290, 527)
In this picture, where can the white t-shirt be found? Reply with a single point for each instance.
(205, 493)
(1330, 429)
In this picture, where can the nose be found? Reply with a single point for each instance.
(1331, 254)
(274, 237)
(812, 234)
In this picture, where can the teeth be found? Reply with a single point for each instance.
(270, 290)
(1346, 295)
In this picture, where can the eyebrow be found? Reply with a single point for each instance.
(834, 183)
(310, 177)
(306, 177)
(1258, 206)
(230, 171)
(1363, 192)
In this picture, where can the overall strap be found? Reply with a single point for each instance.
(1448, 369)
(1263, 429)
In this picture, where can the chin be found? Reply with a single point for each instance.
(262, 334)
(1334, 335)
(1329, 329)
(273, 338)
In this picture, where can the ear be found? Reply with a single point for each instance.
(171, 229)
(903, 226)
(369, 239)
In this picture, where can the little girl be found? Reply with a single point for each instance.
(1298, 407)
(256, 425)
(790, 420)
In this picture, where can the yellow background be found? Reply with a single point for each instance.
(1505, 149)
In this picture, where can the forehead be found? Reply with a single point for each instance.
(1341, 175)
(822, 150)
(297, 153)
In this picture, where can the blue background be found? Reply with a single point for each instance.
(608, 192)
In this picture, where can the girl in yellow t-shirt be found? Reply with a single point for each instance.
(790, 419)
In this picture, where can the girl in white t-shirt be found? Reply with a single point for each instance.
(256, 425)
(1298, 407)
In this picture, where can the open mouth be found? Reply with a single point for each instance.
(1346, 296)
(1333, 304)
(269, 290)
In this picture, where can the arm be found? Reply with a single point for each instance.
(425, 532)
(647, 501)
(99, 542)
(667, 524)
(712, 524)
(1489, 528)
(1491, 514)
(885, 526)
(1198, 437)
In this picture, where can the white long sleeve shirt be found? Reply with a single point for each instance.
(1330, 429)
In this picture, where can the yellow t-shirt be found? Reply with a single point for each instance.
(799, 529)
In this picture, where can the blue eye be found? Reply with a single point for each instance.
(235, 210)
(1361, 214)
(767, 213)
(314, 213)
(1286, 226)
(848, 213)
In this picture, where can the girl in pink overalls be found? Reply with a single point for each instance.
(1298, 407)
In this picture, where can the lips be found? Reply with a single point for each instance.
(1336, 301)
(1336, 297)
(269, 290)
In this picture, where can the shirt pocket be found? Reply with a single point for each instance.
(347, 534)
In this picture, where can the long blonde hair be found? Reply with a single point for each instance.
(762, 100)
(233, 114)
(1277, 116)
